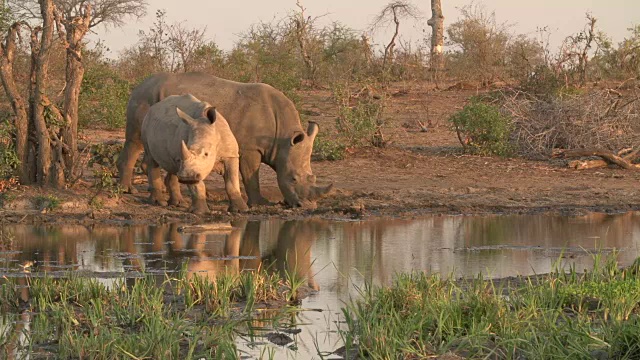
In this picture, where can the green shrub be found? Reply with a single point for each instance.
(104, 181)
(621, 62)
(47, 202)
(103, 98)
(8, 158)
(482, 129)
(105, 155)
(328, 149)
(542, 82)
(358, 124)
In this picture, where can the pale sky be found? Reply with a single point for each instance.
(224, 20)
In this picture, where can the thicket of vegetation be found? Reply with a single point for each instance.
(297, 53)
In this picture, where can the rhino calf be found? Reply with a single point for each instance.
(187, 138)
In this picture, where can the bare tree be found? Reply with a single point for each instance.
(185, 42)
(479, 43)
(302, 24)
(54, 141)
(579, 45)
(153, 43)
(437, 35)
(169, 47)
(393, 12)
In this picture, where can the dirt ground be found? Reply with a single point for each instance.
(419, 172)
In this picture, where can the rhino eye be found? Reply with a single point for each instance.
(206, 154)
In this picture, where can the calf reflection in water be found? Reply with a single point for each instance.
(209, 260)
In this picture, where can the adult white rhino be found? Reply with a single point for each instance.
(264, 121)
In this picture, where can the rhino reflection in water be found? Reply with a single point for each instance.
(241, 249)
(293, 250)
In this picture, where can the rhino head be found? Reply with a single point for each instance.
(295, 178)
(198, 155)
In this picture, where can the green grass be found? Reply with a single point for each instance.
(563, 315)
(185, 317)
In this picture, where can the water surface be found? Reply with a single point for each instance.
(337, 257)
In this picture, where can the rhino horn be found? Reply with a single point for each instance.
(185, 118)
(312, 130)
(320, 191)
(185, 151)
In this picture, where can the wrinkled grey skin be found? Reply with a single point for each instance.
(187, 138)
(263, 120)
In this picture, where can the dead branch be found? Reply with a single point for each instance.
(597, 119)
(587, 164)
(607, 155)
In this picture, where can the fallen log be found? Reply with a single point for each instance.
(587, 164)
(609, 157)
(205, 228)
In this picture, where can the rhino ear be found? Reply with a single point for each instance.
(185, 118)
(297, 138)
(211, 114)
(312, 130)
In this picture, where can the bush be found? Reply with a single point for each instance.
(106, 155)
(622, 62)
(47, 202)
(103, 98)
(9, 161)
(482, 129)
(267, 53)
(542, 82)
(327, 149)
(480, 45)
(359, 123)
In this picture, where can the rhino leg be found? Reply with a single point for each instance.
(250, 170)
(198, 198)
(232, 185)
(126, 161)
(155, 183)
(173, 186)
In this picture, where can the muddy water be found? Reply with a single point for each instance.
(336, 257)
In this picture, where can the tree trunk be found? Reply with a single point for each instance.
(367, 48)
(302, 26)
(76, 29)
(38, 94)
(583, 57)
(437, 35)
(388, 50)
(21, 121)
